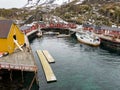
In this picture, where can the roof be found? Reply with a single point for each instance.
(88, 25)
(107, 28)
(97, 27)
(110, 28)
(5, 26)
(25, 27)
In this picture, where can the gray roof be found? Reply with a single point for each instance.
(88, 25)
(97, 28)
(5, 26)
(110, 28)
(25, 27)
(102, 27)
(107, 28)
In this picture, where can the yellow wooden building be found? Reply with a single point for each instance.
(9, 36)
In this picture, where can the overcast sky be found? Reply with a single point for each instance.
(12, 3)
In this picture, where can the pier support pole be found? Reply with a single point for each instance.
(22, 76)
(11, 75)
(37, 82)
(32, 82)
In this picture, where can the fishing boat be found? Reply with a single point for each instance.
(88, 38)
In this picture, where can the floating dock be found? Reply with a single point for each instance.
(47, 69)
(63, 35)
(48, 56)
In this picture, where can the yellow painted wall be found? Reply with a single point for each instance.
(8, 43)
(3, 45)
(20, 36)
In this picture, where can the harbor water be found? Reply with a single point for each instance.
(77, 66)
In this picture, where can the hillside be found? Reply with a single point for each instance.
(91, 11)
(100, 12)
(100, 1)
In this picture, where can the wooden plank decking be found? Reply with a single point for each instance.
(30, 33)
(47, 69)
(108, 38)
(48, 56)
(19, 60)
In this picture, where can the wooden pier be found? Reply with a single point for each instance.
(47, 69)
(20, 61)
(32, 32)
(108, 38)
(48, 56)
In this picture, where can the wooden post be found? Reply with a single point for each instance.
(32, 82)
(11, 75)
(22, 76)
(37, 82)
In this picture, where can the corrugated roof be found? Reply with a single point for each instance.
(5, 26)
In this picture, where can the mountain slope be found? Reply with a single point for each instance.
(33, 3)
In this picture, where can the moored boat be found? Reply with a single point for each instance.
(88, 38)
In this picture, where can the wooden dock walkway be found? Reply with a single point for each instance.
(19, 60)
(32, 32)
(47, 69)
(108, 38)
(23, 61)
(48, 56)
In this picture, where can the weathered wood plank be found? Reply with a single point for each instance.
(47, 69)
(19, 61)
(48, 56)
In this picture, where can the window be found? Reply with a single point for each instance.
(14, 36)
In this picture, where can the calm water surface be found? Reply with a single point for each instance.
(78, 66)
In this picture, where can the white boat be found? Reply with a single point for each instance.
(88, 38)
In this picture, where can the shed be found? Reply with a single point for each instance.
(11, 36)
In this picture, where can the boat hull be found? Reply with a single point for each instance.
(91, 44)
(110, 45)
(88, 41)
